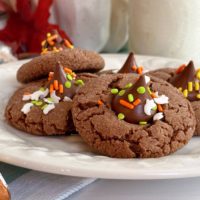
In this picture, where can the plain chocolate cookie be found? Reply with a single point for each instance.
(100, 127)
(77, 60)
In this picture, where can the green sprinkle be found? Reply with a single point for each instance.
(50, 99)
(114, 91)
(121, 116)
(141, 90)
(37, 103)
(130, 97)
(34, 102)
(69, 77)
(154, 108)
(128, 85)
(121, 93)
(149, 90)
(68, 84)
(79, 82)
(42, 89)
(44, 106)
(142, 123)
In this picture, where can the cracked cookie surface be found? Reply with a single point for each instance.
(99, 126)
(162, 73)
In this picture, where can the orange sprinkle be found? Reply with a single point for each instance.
(55, 83)
(73, 75)
(61, 89)
(51, 74)
(51, 38)
(67, 70)
(50, 42)
(51, 88)
(136, 102)
(126, 104)
(153, 95)
(180, 69)
(43, 42)
(140, 70)
(68, 44)
(134, 68)
(100, 102)
(160, 108)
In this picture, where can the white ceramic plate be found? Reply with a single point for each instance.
(70, 155)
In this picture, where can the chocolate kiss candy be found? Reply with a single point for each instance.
(129, 63)
(60, 80)
(185, 81)
(140, 94)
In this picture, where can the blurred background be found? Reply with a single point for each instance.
(152, 27)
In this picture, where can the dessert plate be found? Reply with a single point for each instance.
(71, 156)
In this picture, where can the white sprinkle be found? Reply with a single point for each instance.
(161, 99)
(156, 94)
(149, 105)
(36, 95)
(158, 116)
(67, 99)
(48, 108)
(147, 79)
(45, 93)
(3, 181)
(48, 100)
(26, 97)
(54, 97)
(26, 108)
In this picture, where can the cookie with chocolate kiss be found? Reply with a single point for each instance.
(186, 79)
(77, 60)
(103, 108)
(44, 107)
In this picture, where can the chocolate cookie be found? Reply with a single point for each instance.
(44, 107)
(121, 116)
(76, 59)
(163, 73)
(186, 79)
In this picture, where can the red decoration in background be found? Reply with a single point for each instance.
(25, 29)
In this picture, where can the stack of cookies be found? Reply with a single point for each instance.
(126, 114)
